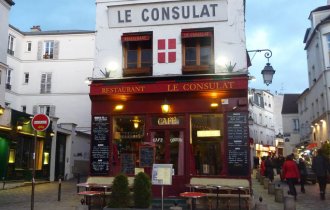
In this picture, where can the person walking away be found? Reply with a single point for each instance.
(320, 165)
(303, 174)
(262, 166)
(269, 168)
(291, 175)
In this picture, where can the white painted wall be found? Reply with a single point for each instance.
(229, 30)
(69, 92)
(4, 11)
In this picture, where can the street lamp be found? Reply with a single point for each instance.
(268, 71)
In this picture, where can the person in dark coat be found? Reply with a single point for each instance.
(269, 168)
(320, 166)
(291, 174)
(303, 174)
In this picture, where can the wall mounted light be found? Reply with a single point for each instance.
(2, 110)
(119, 107)
(11, 158)
(165, 107)
(268, 71)
(46, 158)
(19, 126)
(214, 105)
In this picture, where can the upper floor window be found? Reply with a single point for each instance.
(328, 42)
(48, 110)
(46, 82)
(197, 50)
(48, 49)
(296, 124)
(28, 46)
(8, 79)
(10, 49)
(26, 77)
(137, 49)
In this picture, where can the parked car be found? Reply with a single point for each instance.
(311, 176)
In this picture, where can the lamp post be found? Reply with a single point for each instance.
(268, 71)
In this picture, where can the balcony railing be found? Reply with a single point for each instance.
(10, 52)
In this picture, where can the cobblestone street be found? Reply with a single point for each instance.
(46, 195)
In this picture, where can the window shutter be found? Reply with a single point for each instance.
(39, 55)
(43, 83)
(56, 49)
(52, 111)
(35, 110)
(49, 82)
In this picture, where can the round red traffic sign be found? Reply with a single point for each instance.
(40, 122)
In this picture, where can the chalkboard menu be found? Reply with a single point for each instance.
(147, 156)
(100, 146)
(127, 161)
(238, 144)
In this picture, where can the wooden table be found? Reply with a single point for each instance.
(193, 196)
(88, 195)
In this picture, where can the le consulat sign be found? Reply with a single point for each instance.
(167, 13)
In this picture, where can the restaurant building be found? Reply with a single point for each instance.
(170, 85)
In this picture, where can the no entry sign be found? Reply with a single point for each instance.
(40, 122)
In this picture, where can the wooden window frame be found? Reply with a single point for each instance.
(139, 71)
(191, 69)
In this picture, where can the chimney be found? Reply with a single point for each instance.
(35, 29)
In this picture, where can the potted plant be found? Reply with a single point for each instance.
(142, 191)
(119, 197)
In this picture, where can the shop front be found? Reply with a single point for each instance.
(17, 149)
(197, 124)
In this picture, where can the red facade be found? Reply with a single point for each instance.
(199, 140)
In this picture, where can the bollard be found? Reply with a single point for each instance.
(3, 183)
(271, 188)
(260, 205)
(289, 203)
(59, 190)
(262, 180)
(257, 174)
(266, 182)
(279, 194)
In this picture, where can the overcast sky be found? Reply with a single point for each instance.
(278, 25)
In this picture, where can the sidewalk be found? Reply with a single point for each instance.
(308, 201)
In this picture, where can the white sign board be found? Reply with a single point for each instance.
(167, 13)
(162, 174)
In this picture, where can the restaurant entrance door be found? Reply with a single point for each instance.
(169, 145)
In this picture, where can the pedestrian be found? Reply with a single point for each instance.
(291, 174)
(269, 168)
(303, 174)
(320, 166)
(262, 166)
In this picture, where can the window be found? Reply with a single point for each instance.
(25, 153)
(49, 50)
(128, 136)
(197, 49)
(296, 124)
(10, 49)
(207, 149)
(328, 42)
(46, 79)
(8, 79)
(26, 77)
(137, 50)
(28, 46)
(23, 108)
(48, 110)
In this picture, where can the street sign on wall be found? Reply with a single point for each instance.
(40, 122)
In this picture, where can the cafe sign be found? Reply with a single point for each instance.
(166, 13)
(168, 121)
(169, 87)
